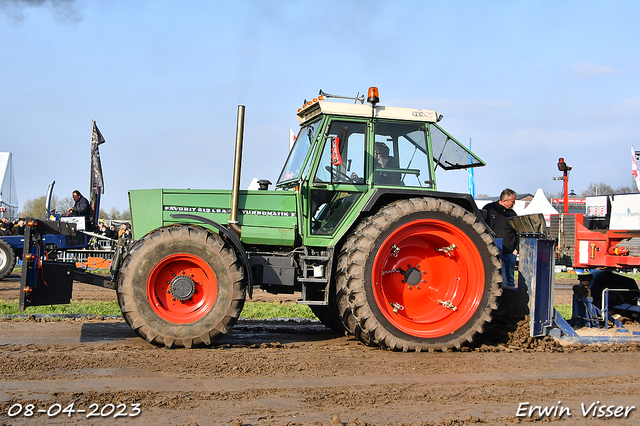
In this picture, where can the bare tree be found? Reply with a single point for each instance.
(35, 207)
(114, 213)
(604, 189)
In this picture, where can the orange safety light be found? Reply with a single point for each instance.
(29, 256)
(373, 97)
(33, 223)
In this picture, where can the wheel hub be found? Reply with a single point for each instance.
(182, 287)
(413, 276)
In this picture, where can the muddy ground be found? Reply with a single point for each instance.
(299, 373)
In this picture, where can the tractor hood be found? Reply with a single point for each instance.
(266, 217)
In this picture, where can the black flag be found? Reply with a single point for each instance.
(97, 182)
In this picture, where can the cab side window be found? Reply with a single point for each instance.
(343, 156)
(401, 155)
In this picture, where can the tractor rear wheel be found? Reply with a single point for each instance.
(181, 286)
(422, 274)
(342, 288)
(7, 259)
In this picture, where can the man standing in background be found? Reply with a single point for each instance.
(496, 217)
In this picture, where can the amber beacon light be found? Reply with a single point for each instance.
(373, 97)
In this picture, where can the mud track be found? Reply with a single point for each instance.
(298, 373)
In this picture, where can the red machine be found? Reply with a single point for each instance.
(606, 235)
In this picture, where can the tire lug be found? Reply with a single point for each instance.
(409, 287)
(173, 298)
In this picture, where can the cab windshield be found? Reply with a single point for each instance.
(293, 167)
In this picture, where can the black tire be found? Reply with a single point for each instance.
(181, 286)
(342, 288)
(7, 259)
(329, 317)
(421, 274)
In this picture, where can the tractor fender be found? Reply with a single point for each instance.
(237, 245)
(386, 195)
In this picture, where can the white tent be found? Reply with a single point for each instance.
(8, 194)
(540, 204)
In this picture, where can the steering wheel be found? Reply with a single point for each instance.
(338, 176)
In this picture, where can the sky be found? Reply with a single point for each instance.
(526, 82)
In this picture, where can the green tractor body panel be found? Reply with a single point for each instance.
(267, 217)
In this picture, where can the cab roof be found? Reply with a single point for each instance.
(357, 110)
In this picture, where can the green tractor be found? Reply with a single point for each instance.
(355, 223)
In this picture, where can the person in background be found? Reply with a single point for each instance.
(105, 231)
(81, 206)
(4, 230)
(496, 215)
(127, 233)
(8, 224)
(18, 228)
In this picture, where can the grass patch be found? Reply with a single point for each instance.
(264, 310)
(564, 310)
(10, 307)
(254, 310)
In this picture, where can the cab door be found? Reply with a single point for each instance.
(339, 180)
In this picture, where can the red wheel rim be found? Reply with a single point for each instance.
(182, 288)
(428, 278)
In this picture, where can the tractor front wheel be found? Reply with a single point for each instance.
(181, 286)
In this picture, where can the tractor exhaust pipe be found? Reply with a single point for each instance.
(235, 191)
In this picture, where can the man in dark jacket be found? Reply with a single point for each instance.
(81, 206)
(496, 217)
(19, 226)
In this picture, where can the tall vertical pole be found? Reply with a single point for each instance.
(566, 192)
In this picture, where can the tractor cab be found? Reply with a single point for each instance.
(344, 152)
